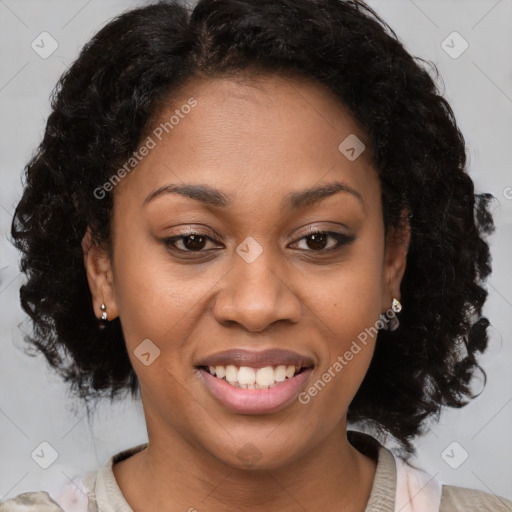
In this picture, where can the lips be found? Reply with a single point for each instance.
(253, 359)
(252, 382)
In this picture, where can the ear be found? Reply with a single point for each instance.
(395, 259)
(99, 276)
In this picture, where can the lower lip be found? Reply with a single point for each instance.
(255, 401)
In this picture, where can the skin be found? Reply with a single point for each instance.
(257, 141)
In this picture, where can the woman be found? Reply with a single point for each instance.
(257, 215)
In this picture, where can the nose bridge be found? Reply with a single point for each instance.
(254, 294)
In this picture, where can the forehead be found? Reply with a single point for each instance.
(263, 112)
(271, 133)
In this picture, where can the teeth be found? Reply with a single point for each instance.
(280, 373)
(220, 371)
(290, 371)
(246, 375)
(254, 378)
(231, 374)
(265, 376)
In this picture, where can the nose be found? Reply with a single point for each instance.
(255, 296)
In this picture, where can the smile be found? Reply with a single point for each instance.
(245, 377)
(255, 382)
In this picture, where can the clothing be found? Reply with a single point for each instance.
(397, 487)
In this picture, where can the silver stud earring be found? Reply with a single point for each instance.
(389, 321)
(104, 314)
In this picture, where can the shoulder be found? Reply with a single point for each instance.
(39, 501)
(455, 499)
(80, 495)
(70, 497)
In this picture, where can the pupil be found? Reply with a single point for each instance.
(318, 239)
(197, 240)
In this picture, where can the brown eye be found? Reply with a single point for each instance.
(194, 242)
(318, 241)
(189, 242)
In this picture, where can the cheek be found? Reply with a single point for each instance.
(347, 296)
(156, 299)
(349, 343)
(156, 303)
(347, 306)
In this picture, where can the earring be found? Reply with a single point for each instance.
(389, 321)
(104, 314)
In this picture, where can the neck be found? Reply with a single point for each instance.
(169, 476)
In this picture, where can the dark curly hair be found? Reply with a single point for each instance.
(104, 104)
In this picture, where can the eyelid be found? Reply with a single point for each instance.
(184, 234)
(313, 230)
(342, 239)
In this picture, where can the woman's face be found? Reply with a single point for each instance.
(250, 280)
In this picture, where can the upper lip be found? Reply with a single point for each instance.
(256, 359)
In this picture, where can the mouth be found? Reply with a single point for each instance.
(251, 382)
(246, 377)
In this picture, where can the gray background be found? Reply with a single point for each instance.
(34, 404)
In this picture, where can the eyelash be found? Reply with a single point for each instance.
(341, 239)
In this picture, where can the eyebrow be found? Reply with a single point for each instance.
(213, 197)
